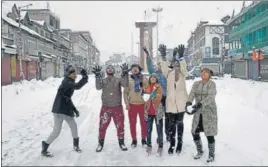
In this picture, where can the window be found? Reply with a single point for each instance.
(51, 21)
(42, 32)
(215, 42)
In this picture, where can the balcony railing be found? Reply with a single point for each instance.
(7, 35)
(249, 25)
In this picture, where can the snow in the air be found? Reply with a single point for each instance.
(27, 120)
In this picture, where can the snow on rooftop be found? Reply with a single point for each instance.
(38, 22)
(214, 22)
(14, 23)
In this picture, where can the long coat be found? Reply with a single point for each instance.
(205, 93)
(63, 103)
(176, 96)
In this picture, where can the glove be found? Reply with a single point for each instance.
(191, 113)
(124, 69)
(175, 51)
(181, 49)
(83, 72)
(197, 105)
(97, 71)
(188, 103)
(76, 113)
(146, 51)
(162, 50)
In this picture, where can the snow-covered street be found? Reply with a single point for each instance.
(27, 120)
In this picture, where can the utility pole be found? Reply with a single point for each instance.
(157, 10)
(20, 42)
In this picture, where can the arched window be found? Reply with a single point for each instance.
(215, 45)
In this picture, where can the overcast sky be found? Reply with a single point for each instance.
(111, 23)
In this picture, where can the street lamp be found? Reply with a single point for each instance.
(20, 41)
(157, 10)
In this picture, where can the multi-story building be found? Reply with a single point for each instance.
(248, 33)
(249, 29)
(206, 43)
(36, 44)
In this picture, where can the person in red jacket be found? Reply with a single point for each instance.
(154, 111)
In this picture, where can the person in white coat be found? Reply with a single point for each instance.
(176, 94)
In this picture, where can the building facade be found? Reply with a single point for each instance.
(206, 43)
(248, 36)
(45, 49)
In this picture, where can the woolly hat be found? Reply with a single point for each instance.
(155, 76)
(69, 70)
(136, 65)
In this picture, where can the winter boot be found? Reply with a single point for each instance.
(179, 147)
(149, 150)
(44, 151)
(122, 145)
(211, 154)
(159, 151)
(144, 143)
(100, 146)
(172, 146)
(134, 144)
(171, 150)
(168, 139)
(76, 145)
(199, 148)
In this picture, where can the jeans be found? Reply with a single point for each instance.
(159, 128)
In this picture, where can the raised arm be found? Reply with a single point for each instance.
(125, 95)
(99, 83)
(124, 81)
(183, 67)
(73, 85)
(98, 75)
(150, 66)
(124, 76)
(164, 67)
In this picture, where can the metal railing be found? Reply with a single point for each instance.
(242, 28)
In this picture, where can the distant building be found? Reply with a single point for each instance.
(206, 42)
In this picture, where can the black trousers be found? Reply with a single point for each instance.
(176, 125)
(159, 129)
(199, 129)
(163, 102)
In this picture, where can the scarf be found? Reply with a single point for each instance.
(137, 81)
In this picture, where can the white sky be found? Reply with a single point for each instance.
(111, 23)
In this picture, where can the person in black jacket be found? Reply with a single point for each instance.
(64, 109)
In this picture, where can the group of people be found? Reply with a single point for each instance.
(166, 103)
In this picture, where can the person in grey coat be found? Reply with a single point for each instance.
(205, 113)
(111, 102)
